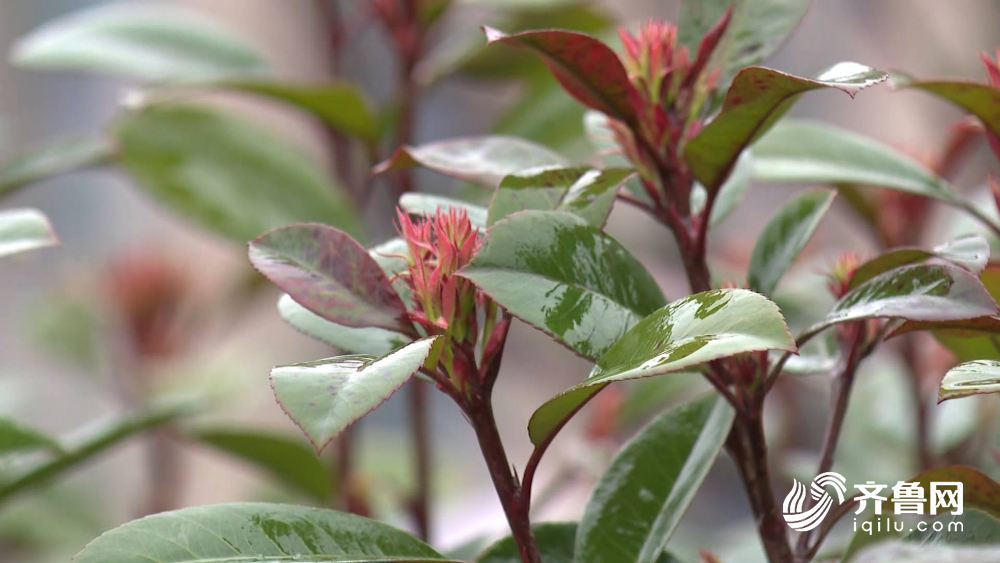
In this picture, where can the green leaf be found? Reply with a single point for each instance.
(482, 160)
(586, 68)
(969, 528)
(340, 106)
(970, 378)
(586, 192)
(52, 160)
(810, 152)
(981, 100)
(96, 441)
(221, 171)
(326, 396)
(370, 341)
(756, 29)
(757, 98)
(555, 545)
(907, 552)
(641, 497)
(255, 532)
(329, 273)
(289, 461)
(17, 438)
(784, 237)
(564, 277)
(970, 252)
(427, 205)
(733, 190)
(145, 41)
(927, 292)
(22, 230)
(688, 332)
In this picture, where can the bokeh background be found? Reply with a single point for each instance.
(57, 347)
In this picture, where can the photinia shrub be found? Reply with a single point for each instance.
(683, 121)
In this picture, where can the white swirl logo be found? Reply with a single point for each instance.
(792, 507)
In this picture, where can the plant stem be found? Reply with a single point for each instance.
(841, 396)
(909, 352)
(747, 447)
(515, 507)
(422, 458)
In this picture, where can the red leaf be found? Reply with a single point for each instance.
(586, 68)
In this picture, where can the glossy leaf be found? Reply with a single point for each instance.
(145, 41)
(483, 160)
(756, 29)
(340, 106)
(22, 230)
(686, 333)
(52, 160)
(555, 545)
(757, 98)
(428, 204)
(564, 277)
(228, 175)
(810, 152)
(971, 252)
(18, 438)
(350, 340)
(641, 497)
(326, 396)
(929, 292)
(784, 237)
(255, 532)
(981, 100)
(586, 68)
(289, 461)
(586, 192)
(970, 378)
(329, 273)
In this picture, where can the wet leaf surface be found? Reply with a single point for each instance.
(971, 252)
(970, 378)
(326, 396)
(564, 277)
(586, 192)
(641, 497)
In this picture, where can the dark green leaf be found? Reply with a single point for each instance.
(255, 532)
(689, 332)
(810, 152)
(928, 292)
(289, 461)
(18, 438)
(370, 341)
(326, 396)
(146, 41)
(555, 545)
(784, 237)
(981, 100)
(22, 230)
(586, 68)
(340, 106)
(329, 273)
(971, 252)
(225, 173)
(483, 160)
(757, 98)
(643, 494)
(971, 378)
(565, 277)
(586, 192)
(427, 205)
(52, 160)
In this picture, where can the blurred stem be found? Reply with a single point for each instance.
(165, 470)
(909, 352)
(422, 458)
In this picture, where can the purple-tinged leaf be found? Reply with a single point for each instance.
(326, 396)
(981, 100)
(483, 160)
(331, 274)
(585, 67)
(757, 98)
(971, 378)
(970, 252)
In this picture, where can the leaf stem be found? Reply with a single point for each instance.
(422, 458)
